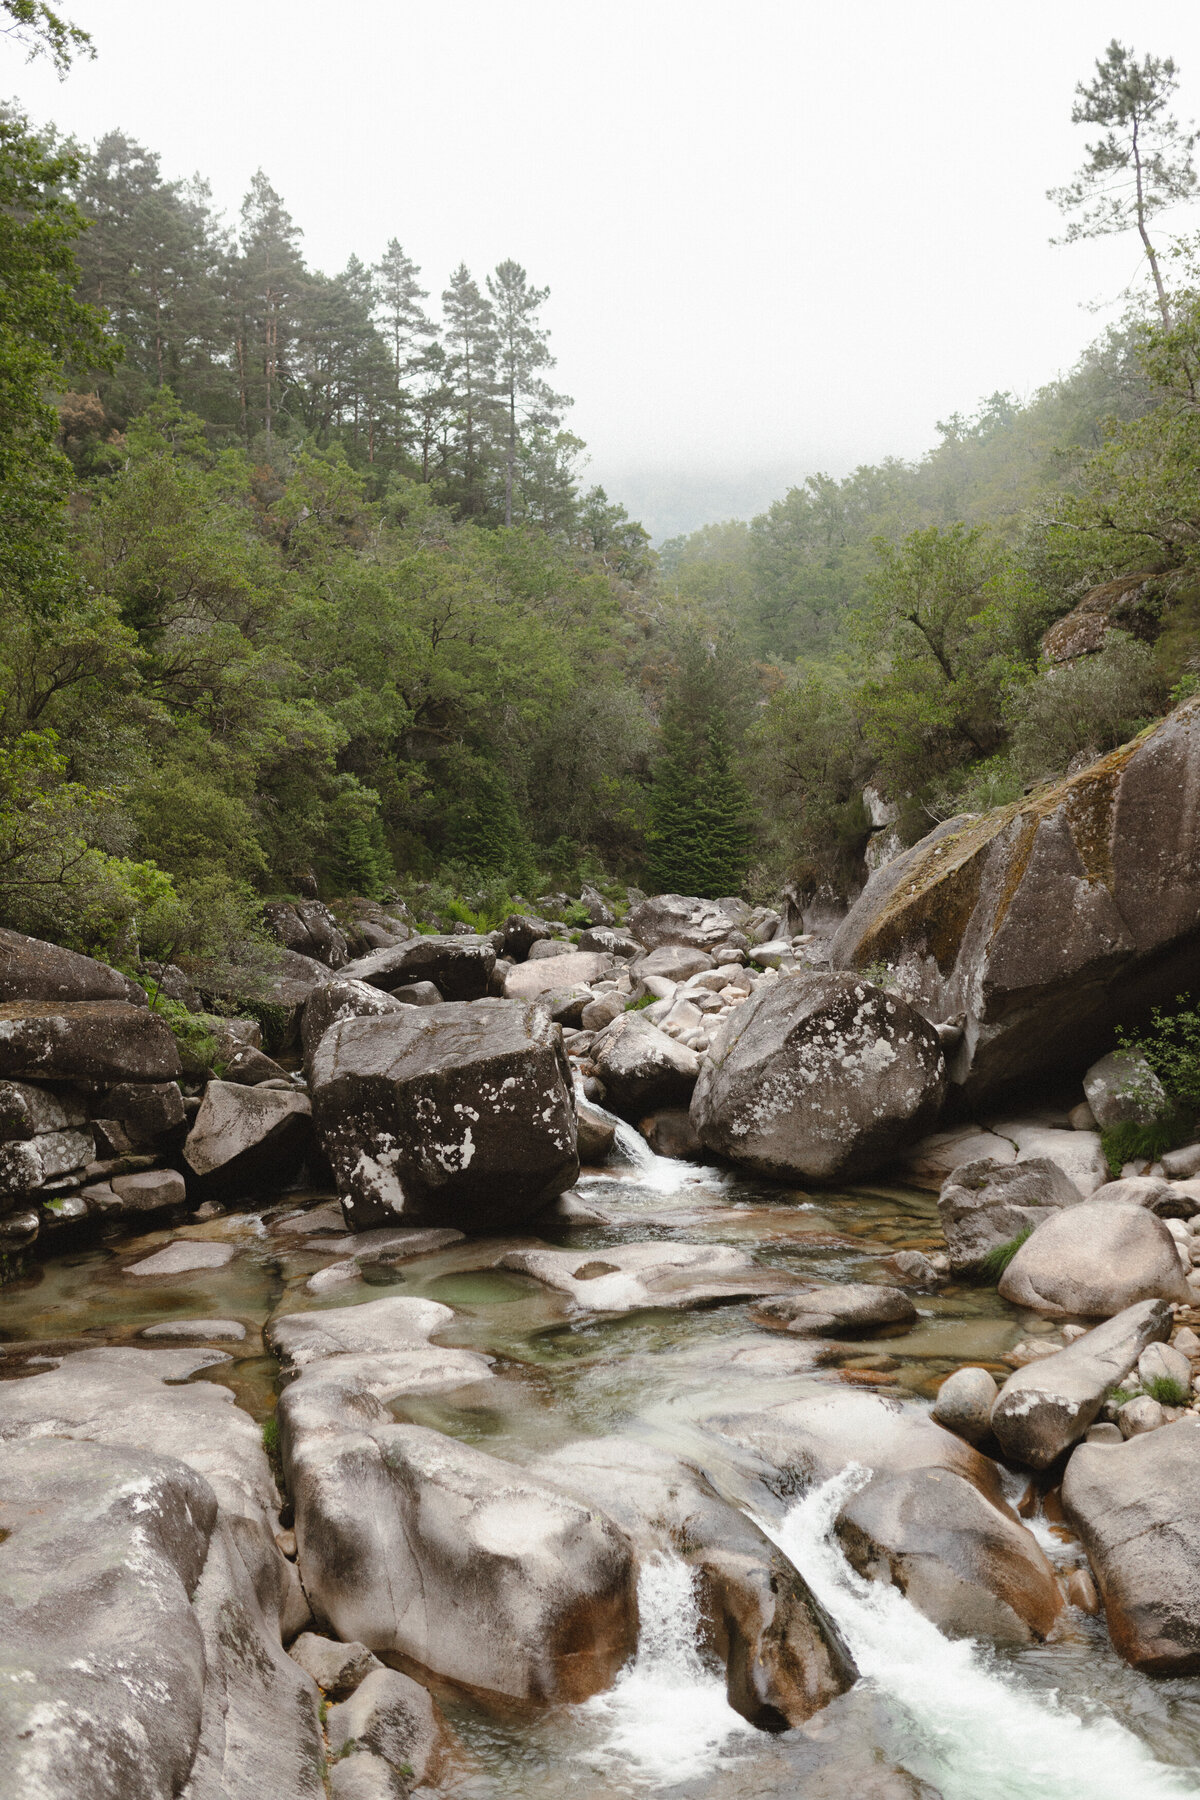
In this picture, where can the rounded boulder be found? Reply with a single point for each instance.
(819, 1077)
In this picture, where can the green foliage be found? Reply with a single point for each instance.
(1130, 1142)
(270, 1439)
(640, 1005)
(1120, 1396)
(1079, 710)
(1171, 1046)
(992, 1266)
(193, 1034)
(1167, 1391)
(700, 827)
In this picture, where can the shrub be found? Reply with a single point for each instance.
(1084, 708)
(1171, 1046)
(1130, 1142)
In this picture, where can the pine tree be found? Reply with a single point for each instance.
(521, 350)
(699, 836)
(471, 370)
(268, 277)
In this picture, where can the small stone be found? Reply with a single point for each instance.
(1186, 1342)
(1137, 1416)
(1071, 1333)
(336, 1668)
(1163, 1362)
(1082, 1118)
(964, 1404)
(1105, 1433)
(1080, 1589)
(211, 1331)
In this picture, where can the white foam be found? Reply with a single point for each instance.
(964, 1723)
(667, 1720)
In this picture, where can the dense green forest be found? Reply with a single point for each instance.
(299, 582)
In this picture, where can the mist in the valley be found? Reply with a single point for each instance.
(787, 239)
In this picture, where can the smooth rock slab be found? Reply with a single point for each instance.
(412, 1543)
(820, 1077)
(1048, 1405)
(377, 1328)
(210, 1331)
(1134, 1508)
(566, 969)
(31, 969)
(102, 1670)
(840, 1306)
(1094, 1260)
(183, 1257)
(627, 1277)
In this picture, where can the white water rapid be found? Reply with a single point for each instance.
(963, 1721)
(666, 1721)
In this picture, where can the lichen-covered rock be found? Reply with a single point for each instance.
(679, 919)
(85, 1040)
(985, 1204)
(341, 999)
(819, 1077)
(1093, 1260)
(1048, 1405)
(459, 967)
(1047, 921)
(1122, 1088)
(33, 970)
(446, 1115)
(28, 1111)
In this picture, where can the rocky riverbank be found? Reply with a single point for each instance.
(387, 1382)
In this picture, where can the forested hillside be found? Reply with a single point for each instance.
(299, 585)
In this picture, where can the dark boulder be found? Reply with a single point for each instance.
(86, 1040)
(641, 1067)
(519, 933)
(448, 1115)
(341, 999)
(33, 970)
(247, 1137)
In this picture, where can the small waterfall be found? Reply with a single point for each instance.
(667, 1720)
(963, 1721)
(658, 1174)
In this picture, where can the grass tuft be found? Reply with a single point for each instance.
(1167, 1391)
(993, 1265)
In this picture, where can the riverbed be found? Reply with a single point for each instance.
(1061, 1721)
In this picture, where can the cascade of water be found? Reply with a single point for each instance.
(964, 1722)
(659, 1174)
(667, 1720)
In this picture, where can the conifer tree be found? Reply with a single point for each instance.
(699, 837)
(521, 350)
(471, 369)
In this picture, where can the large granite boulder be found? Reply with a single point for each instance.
(446, 1115)
(85, 1040)
(679, 919)
(641, 1067)
(819, 1077)
(520, 932)
(1048, 1405)
(33, 970)
(1122, 1088)
(308, 927)
(428, 1549)
(986, 1203)
(243, 1137)
(784, 1659)
(254, 1733)
(1046, 922)
(1134, 1507)
(967, 1564)
(341, 999)
(459, 967)
(284, 988)
(1093, 1260)
(103, 1668)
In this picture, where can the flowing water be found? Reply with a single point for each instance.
(1061, 1721)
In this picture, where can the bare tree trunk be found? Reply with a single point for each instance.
(1159, 289)
(512, 453)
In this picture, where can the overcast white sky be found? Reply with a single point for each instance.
(782, 236)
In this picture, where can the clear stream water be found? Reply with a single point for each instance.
(1061, 1721)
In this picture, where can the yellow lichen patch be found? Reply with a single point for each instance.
(934, 902)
